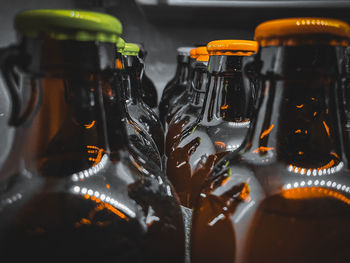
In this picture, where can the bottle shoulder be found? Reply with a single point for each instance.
(143, 114)
(141, 142)
(268, 177)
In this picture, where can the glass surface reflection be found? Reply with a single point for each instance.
(293, 167)
(222, 125)
(66, 191)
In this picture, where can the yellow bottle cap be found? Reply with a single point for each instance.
(75, 25)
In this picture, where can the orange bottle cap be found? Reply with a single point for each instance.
(232, 47)
(293, 27)
(202, 54)
(193, 53)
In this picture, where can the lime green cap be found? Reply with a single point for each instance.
(120, 45)
(131, 49)
(69, 25)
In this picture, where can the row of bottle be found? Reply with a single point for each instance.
(257, 143)
(83, 177)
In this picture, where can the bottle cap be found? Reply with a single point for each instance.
(120, 45)
(68, 25)
(232, 47)
(131, 49)
(202, 54)
(193, 53)
(184, 51)
(269, 32)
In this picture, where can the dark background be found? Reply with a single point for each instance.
(164, 25)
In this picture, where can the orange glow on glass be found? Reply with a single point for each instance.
(313, 192)
(119, 64)
(220, 144)
(263, 149)
(326, 127)
(266, 132)
(89, 126)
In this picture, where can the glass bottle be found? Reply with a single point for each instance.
(188, 115)
(143, 126)
(63, 194)
(284, 197)
(177, 85)
(148, 90)
(184, 98)
(223, 123)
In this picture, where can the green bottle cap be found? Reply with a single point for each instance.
(131, 49)
(120, 45)
(69, 25)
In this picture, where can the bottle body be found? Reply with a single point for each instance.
(285, 194)
(221, 128)
(174, 89)
(148, 90)
(63, 191)
(139, 114)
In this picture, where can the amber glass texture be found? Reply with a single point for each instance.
(63, 193)
(174, 88)
(221, 128)
(143, 125)
(189, 114)
(183, 99)
(148, 90)
(284, 197)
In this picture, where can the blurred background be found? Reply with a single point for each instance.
(164, 25)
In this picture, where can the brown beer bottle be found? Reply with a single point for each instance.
(285, 196)
(189, 113)
(176, 86)
(148, 90)
(143, 125)
(184, 98)
(63, 194)
(223, 123)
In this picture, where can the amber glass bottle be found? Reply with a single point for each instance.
(63, 194)
(224, 119)
(189, 113)
(184, 98)
(285, 196)
(148, 90)
(143, 125)
(176, 86)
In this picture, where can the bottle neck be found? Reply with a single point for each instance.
(229, 93)
(299, 118)
(132, 79)
(67, 131)
(182, 70)
(199, 84)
